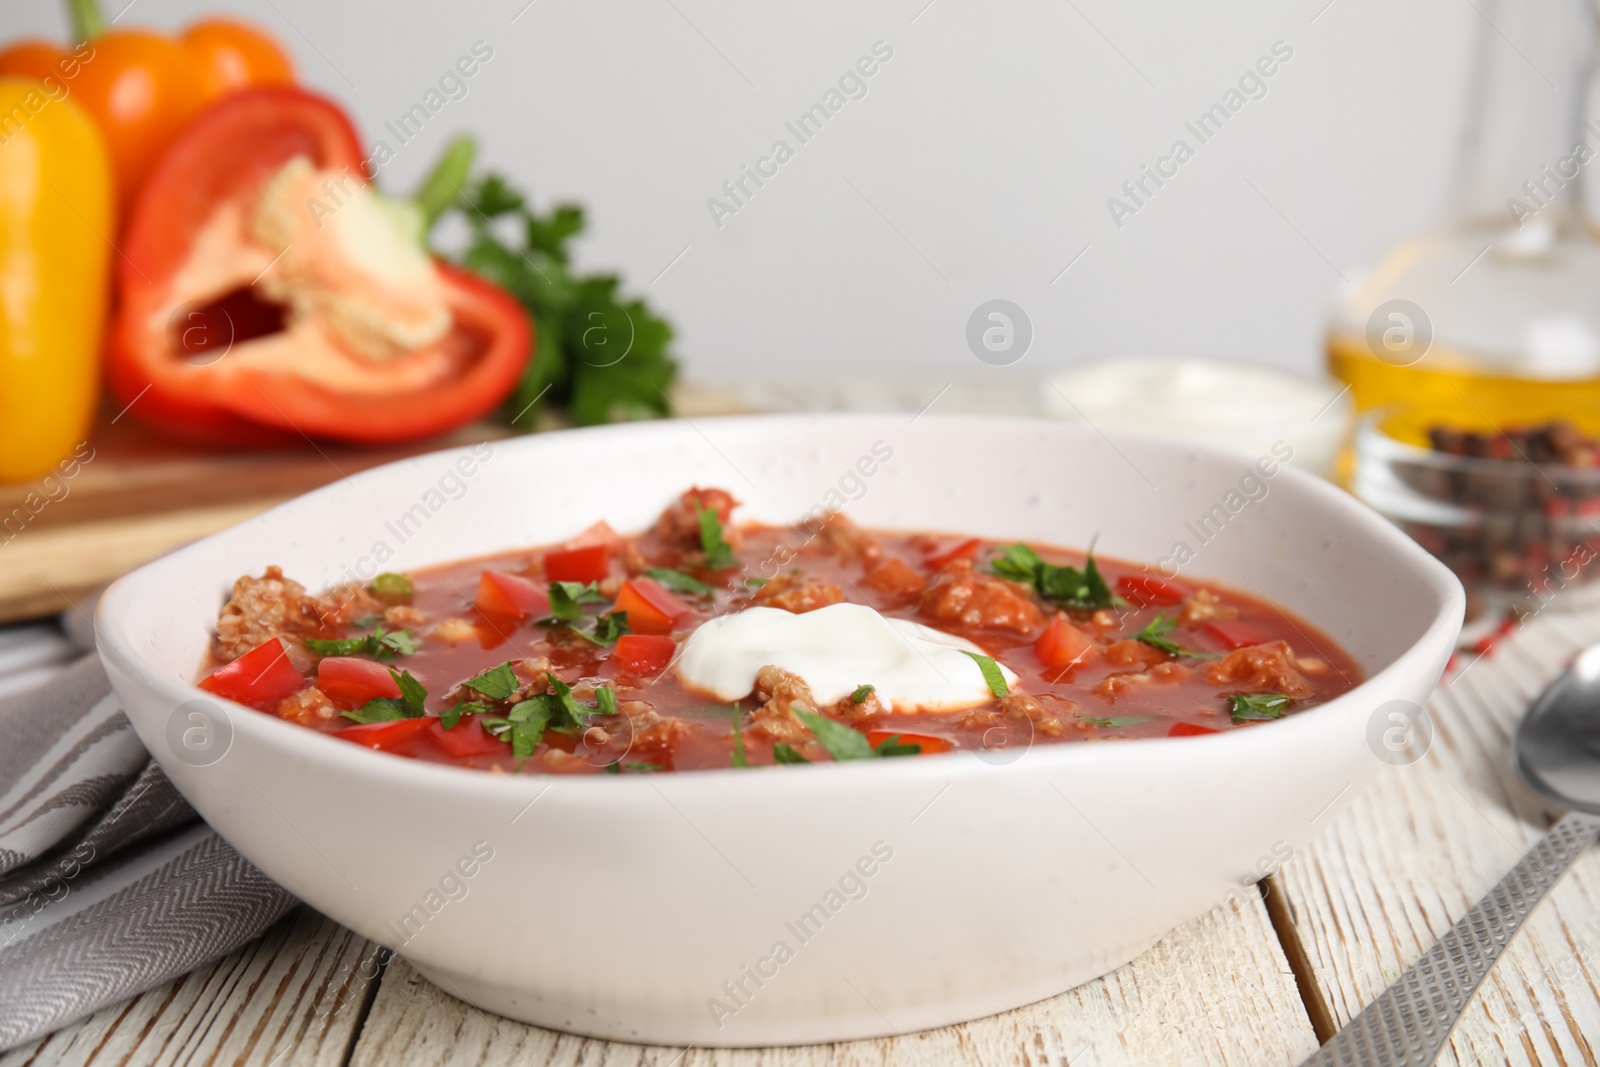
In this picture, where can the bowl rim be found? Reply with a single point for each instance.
(344, 757)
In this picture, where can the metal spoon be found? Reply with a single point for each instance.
(1558, 754)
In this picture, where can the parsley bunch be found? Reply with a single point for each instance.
(598, 354)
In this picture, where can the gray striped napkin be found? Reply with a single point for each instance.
(109, 883)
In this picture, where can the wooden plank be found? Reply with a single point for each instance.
(47, 569)
(296, 995)
(1216, 991)
(1419, 848)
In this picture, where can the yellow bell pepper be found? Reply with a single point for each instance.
(55, 230)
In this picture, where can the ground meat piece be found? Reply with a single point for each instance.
(895, 577)
(559, 761)
(838, 536)
(775, 720)
(1205, 605)
(1131, 653)
(657, 737)
(797, 593)
(1118, 685)
(1105, 620)
(267, 607)
(680, 523)
(958, 594)
(1268, 668)
(308, 707)
(403, 617)
(455, 631)
(345, 603)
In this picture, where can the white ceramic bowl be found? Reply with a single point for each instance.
(802, 904)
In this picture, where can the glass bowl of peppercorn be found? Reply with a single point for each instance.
(1508, 499)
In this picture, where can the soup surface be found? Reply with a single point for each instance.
(702, 643)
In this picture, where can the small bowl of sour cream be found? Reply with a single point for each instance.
(1241, 407)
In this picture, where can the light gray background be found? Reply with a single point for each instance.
(977, 167)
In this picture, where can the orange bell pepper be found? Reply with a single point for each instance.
(142, 88)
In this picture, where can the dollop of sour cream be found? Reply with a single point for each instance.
(836, 649)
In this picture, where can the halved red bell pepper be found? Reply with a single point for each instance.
(259, 678)
(267, 294)
(651, 609)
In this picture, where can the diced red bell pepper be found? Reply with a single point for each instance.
(467, 738)
(259, 678)
(350, 682)
(287, 376)
(928, 742)
(1146, 590)
(651, 609)
(1235, 634)
(965, 550)
(600, 533)
(1189, 729)
(386, 736)
(585, 564)
(1062, 644)
(510, 595)
(640, 654)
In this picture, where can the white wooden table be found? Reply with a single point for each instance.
(1258, 981)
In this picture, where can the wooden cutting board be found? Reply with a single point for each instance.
(138, 496)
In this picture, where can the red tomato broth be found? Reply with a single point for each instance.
(702, 737)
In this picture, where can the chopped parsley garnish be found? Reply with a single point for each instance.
(719, 554)
(566, 609)
(1155, 635)
(605, 700)
(1253, 707)
(408, 705)
(576, 715)
(782, 753)
(893, 746)
(1116, 720)
(615, 767)
(366, 622)
(1085, 589)
(496, 683)
(452, 715)
(607, 628)
(755, 583)
(526, 723)
(841, 741)
(737, 757)
(991, 673)
(862, 693)
(379, 644)
(679, 582)
(566, 598)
